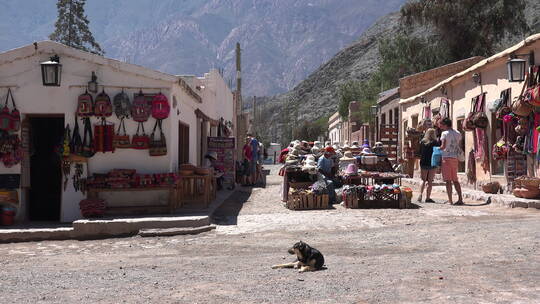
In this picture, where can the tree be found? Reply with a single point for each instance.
(468, 27)
(71, 27)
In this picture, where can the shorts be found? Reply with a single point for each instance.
(449, 169)
(245, 168)
(428, 173)
(252, 166)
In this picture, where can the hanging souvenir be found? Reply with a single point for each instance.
(85, 105)
(140, 142)
(88, 149)
(75, 145)
(103, 105)
(140, 110)
(103, 137)
(158, 147)
(122, 105)
(121, 141)
(160, 107)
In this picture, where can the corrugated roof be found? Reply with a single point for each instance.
(529, 40)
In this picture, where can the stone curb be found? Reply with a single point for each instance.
(89, 229)
(502, 200)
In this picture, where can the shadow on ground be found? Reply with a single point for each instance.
(227, 213)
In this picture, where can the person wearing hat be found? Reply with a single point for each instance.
(326, 164)
(355, 145)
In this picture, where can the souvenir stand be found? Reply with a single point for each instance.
(373, 184)
(101, 136)
(12, 149)
(302, 189)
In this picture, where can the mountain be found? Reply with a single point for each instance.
(283, 41)
(317, 96)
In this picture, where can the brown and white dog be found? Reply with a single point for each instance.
(308, 258)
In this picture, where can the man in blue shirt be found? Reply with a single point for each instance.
(326, 164)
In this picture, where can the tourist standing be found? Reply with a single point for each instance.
(253, 166)
(427, 170)
(450, 140)
(246, 163)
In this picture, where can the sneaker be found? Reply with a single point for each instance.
(430, 200)
(459, 203)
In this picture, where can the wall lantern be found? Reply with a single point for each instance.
(477, 78)
(51, 71)
(516, 67)
(374, 110)
(92, 84)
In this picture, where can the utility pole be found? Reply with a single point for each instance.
(241, 123)
(255, 121)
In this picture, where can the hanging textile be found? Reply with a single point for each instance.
(535, 131)
(480, 138)
(471, 168)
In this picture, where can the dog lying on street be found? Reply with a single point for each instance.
(307, 258)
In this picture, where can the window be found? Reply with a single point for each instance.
(383, 119)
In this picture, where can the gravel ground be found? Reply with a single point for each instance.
(433, 254)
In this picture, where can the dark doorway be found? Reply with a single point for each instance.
(45, 168)
(183, 143)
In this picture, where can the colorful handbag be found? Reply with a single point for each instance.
(160, 107)
(85, 105)
(158, 147)
(468, 124)
(103, 105)
(140, 142)
(121, 141)
(88, 149)
(480, 118)
(15, 119)
(521, 105)
(75, 144)
(7, 117)
(103, 137)
(140, 110)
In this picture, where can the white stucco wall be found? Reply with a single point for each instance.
(21, 67)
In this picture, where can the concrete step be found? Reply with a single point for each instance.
(35, 234)
(91, 228)
(175, 231)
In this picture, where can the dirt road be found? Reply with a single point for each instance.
(433, 254)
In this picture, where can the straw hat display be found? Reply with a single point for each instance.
(291, 160)
(310, 166)
(347, 156)
(355, 145)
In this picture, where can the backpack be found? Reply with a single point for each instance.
(140, 110)
(103, 105)
(160, 107)
(85, 105)
(122, 105)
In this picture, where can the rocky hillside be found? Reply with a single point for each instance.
(283, 41)
(317, 95)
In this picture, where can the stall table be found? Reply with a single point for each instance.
(197, 188)
(171, 206)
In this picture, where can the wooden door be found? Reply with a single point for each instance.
(183, 143)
